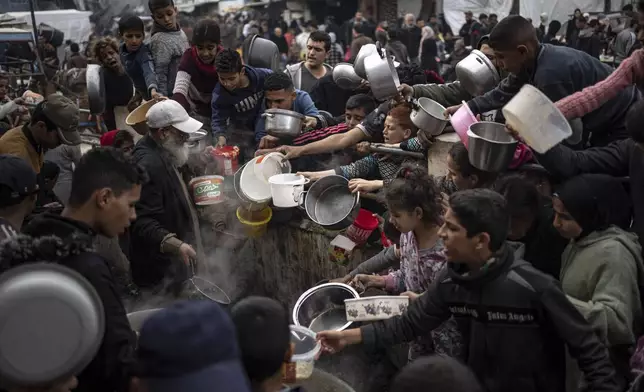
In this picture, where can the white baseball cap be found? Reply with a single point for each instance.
(170, 113)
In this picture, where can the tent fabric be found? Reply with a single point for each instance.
(454, 10)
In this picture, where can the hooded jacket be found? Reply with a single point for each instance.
(515, 321)
(70, 243)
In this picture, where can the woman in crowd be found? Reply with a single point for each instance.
(415, 209)
(428, 50)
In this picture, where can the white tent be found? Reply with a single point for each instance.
(73, 23)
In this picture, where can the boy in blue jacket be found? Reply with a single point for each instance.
(137, 58)
(236, 100)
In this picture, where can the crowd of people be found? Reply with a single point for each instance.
(525, 279)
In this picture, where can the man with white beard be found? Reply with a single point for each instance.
(165, 237)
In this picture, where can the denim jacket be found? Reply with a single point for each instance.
(140, 68)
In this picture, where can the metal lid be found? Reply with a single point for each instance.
(285, 112)
(51, 324)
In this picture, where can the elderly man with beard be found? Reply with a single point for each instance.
(167, 227)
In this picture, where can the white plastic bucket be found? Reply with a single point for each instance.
(536, 119)
(286, 189)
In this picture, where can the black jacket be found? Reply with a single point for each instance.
(73, 248)
(516, 323)
(162, 209)
(330, 97)
(623, 158)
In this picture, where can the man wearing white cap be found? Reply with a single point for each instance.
(165, 237)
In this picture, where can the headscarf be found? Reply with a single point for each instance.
(426, 33)
(107, 139)
(596, 201)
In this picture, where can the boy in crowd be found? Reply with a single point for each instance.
(306, 73)
(167, 43)
(137, 58)
(503, 306)
(18, 190)
(265, 341)
(236, 100)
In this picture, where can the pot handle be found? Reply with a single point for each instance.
(358, 198)
(379, 50)
(300, 200)
(271, 115)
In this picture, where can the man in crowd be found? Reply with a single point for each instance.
(279, 93)
(53, 122)
(106, 185)
(503, 306)
(466, 29)
(412, 37)
(167, 223)
(306, 73)
(18, 190)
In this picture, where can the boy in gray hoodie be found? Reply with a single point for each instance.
(167, 43)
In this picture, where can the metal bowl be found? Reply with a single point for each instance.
(283, 123)
(346, 77)
(321, 308)
(52, 323)
(490, 147)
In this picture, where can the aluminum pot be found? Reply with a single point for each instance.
(429, 116)
(95, 88)
(358, 65)
(345, 76)
(262, 53)
(490, 147)
(283, 123)
(321, 307)
(382, 76)
(477, 74)
(330, 204)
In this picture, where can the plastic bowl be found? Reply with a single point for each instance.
(536, 119)
(137, 115)
(461, 122)
(306, 349)
(255, 189)
(271, 164)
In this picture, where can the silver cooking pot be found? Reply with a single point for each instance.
(345, 76)
(330, 204)
(429, 116)
(321, 307)
(262, 53)
(358, 65)
(477, 74)
(95, 88)
(283, 123)
(490, 147)
(382, 75)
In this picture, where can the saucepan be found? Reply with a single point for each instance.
(428, 116)
(283, 123)
(358, 65)
(382, 75)
(345, 76)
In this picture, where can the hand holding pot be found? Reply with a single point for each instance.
(313, 176)
(367, 281)
(364, 186)
(451, 110)
(345, 279)
(513, 132)
(406, 90)
(268, 141)
(410, 294)
(309, 122)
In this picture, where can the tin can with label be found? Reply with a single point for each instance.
(207, 190)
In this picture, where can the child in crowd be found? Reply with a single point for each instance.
(436, 374)
(461, 174)
(118, 85)
(415, 209)
(197, 76)
(371, 173)
(167, 43)
(137, 58)
(264, 339)
(118, 138)
(237, 98)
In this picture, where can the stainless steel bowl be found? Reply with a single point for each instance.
(346, 77)
(283, 123)
(321, 308)
(429, 116)
(477, 74)
(490, 147)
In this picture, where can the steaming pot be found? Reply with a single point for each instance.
(283, 123)
(490, 147)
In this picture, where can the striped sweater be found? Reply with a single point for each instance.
(167, 48)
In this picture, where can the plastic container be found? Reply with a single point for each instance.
(255, 222)
(362, 227)
(380, 307)
(255, 189)
(227, 158)
(271, 164)
(286, 189)
(536, 119)
(207, 190)
(461, 122)
(306, 349)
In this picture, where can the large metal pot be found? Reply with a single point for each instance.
(321, 308)
(330, 204)
(95, 88)
(490, 147)
(262, 53)
(283, 123)
(345, 76)
(358, 65)
(382, 75)
(477, 74)
(429, 116)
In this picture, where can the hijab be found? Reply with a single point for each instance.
(596, 201)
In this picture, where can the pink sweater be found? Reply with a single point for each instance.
(630, 71)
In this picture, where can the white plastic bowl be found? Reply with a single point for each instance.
(271, 164)
(306, 349)
(536, 119)
(255, 189)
